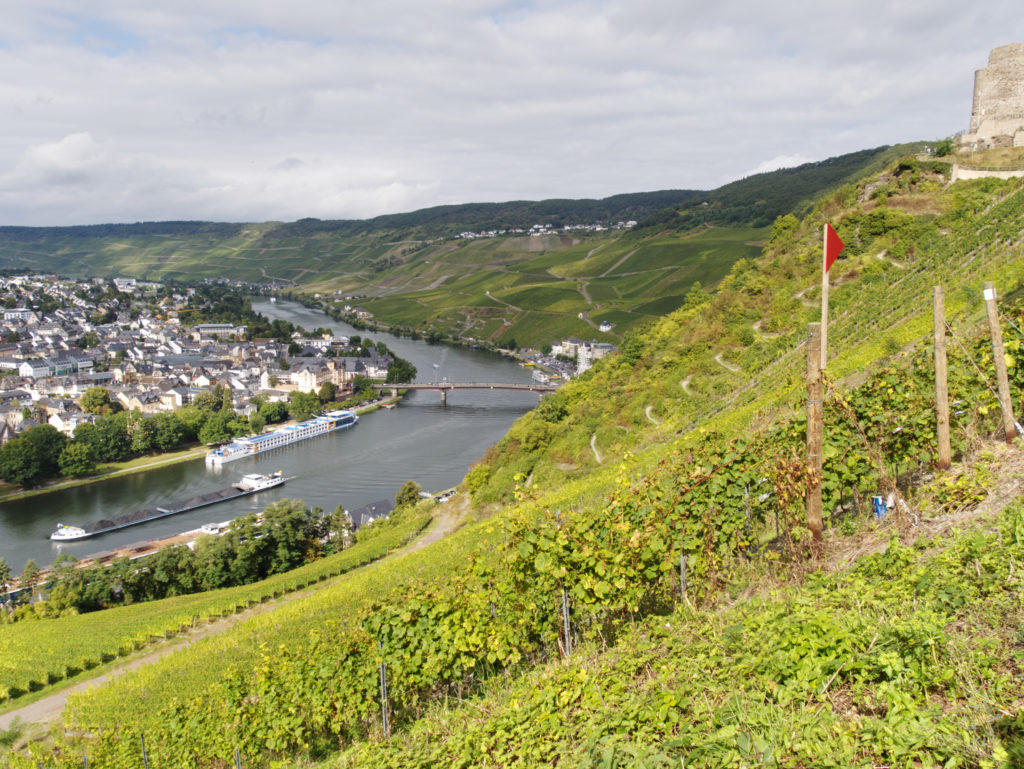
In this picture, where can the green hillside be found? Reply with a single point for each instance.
(898, 645)
(412, 272)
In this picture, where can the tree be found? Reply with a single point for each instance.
(327, 392)
(215, 429)
(5, 576)
(227, 399)
(20, 464)
(401, 372)
(256, 423)
(208, 400)
(362, 384)
(341, 527)
(30, 575)
(274, 412)
(409, 494)
(302, 405)
(32, 456)
(287, 525)
(96, 400)
(167, 431)
(77, 459)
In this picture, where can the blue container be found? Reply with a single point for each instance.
(878, 507)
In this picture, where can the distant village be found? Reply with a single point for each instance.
(60, 337)
(547, 229)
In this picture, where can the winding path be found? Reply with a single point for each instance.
(685, 384)
(647, 413)
(593, 447)
(730, 366)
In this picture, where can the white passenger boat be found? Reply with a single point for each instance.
(258, 444)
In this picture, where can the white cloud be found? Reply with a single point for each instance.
(258, 110)
(777, 162)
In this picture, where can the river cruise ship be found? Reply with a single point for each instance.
(259, 444)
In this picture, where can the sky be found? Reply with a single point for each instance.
(250, 110)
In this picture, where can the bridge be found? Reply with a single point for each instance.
(445, 387)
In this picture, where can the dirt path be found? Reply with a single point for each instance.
(799, 296)
(730, 366)
(593, 447)
(647, 413)
(448, 517)
(685, 384)
(881, 256)
(615, 266)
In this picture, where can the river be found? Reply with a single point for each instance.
(420, 440)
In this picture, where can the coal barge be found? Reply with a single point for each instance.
(250, 484)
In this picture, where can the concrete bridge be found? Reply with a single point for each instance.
(445, 387)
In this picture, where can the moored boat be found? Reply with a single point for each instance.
(249, 484)
(257, 444)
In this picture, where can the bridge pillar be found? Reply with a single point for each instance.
(394, 392)
(444, 397)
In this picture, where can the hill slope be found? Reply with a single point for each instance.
(410, 272)
(689, 443)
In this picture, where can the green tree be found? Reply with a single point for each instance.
(96, 400)
(409, 494)
(302, 405)
(327, 392)
(5, 577)
(167, 431)
(215, 429)
(32, 456)
(288, 526)
(401, 372)
(114, 441)
(77, 459)
(341, 528)
(20, 464)
(362, 384)
(30, 575)
(274, 412)
(191, 419)
(256, 423)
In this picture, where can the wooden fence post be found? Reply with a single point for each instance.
(941, 389)
(815, 430)
(999, 358)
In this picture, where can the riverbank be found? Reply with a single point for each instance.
(141, 464)
(117, 469)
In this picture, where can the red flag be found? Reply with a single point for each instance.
(833, 246)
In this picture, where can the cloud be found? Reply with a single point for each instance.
(257, 110)
(777, 162)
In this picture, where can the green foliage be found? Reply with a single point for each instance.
(409, 494)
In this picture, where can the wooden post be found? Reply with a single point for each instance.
(941, 389)
(824, 297)
(815, 429)
(999, 358)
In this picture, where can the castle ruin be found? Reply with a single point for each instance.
(997, 114)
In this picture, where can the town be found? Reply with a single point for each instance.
(62, 337)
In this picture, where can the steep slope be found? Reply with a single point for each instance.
(878, 666)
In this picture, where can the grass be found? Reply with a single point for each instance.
(9, 492)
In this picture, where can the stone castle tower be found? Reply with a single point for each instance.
(997, 115)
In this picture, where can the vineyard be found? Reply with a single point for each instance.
(36, 653)
(663, 606)
(544, 583)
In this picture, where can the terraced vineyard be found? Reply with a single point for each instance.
(640, 589)
(34, 654)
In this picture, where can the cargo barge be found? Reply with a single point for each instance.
(258, 444)
(250, 484)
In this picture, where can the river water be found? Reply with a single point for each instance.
(420, 440)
